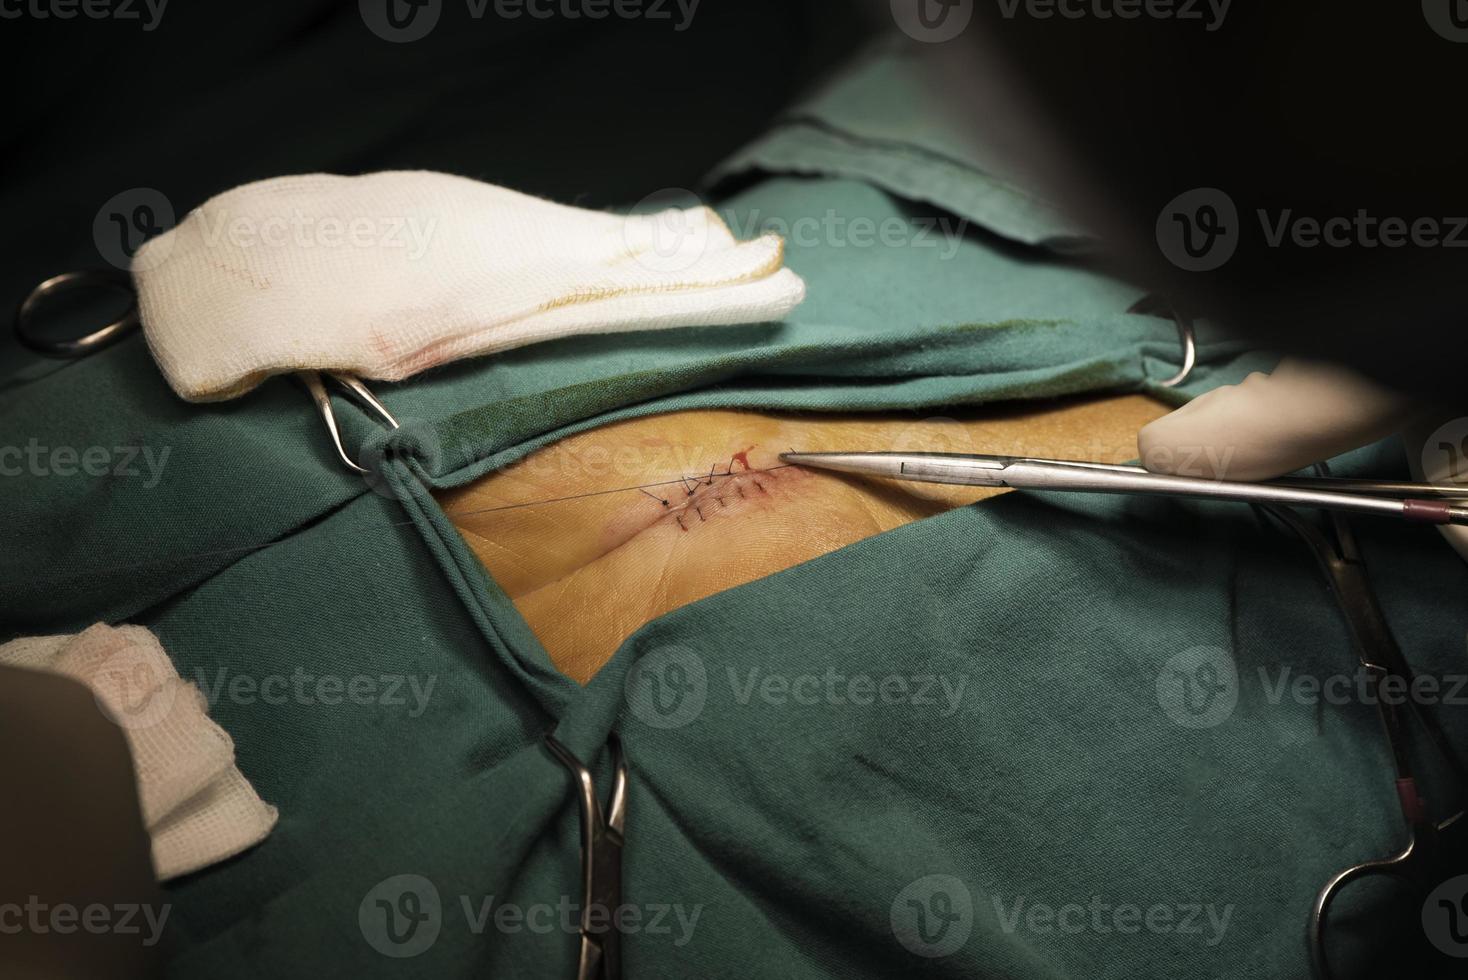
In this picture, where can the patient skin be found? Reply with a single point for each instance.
(605, 531)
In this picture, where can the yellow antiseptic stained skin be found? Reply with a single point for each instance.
(718, 509)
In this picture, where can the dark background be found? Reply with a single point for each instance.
(1318, 108)
(1314, 106)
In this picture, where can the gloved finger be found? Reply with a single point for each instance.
(1273, 424)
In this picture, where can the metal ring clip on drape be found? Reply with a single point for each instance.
(1157, 305)
(127, 322)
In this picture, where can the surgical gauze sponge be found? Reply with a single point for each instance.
(387, 274)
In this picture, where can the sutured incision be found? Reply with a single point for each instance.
(683, 481)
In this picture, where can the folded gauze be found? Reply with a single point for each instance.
(197, 806)
(387, 274)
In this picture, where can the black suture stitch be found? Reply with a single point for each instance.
(709, 481)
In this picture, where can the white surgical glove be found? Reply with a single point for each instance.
(1305, 412)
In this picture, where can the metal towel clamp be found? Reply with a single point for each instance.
(601, 862)
(127, 322)
(353, 386)
(1157, 305)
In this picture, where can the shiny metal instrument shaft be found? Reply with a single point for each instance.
(1022, 472)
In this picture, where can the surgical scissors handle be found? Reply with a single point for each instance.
(111, 279)
(1411, 866)
(602, 840)
(128, 322)
(1024, 472)
(1381, 658)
